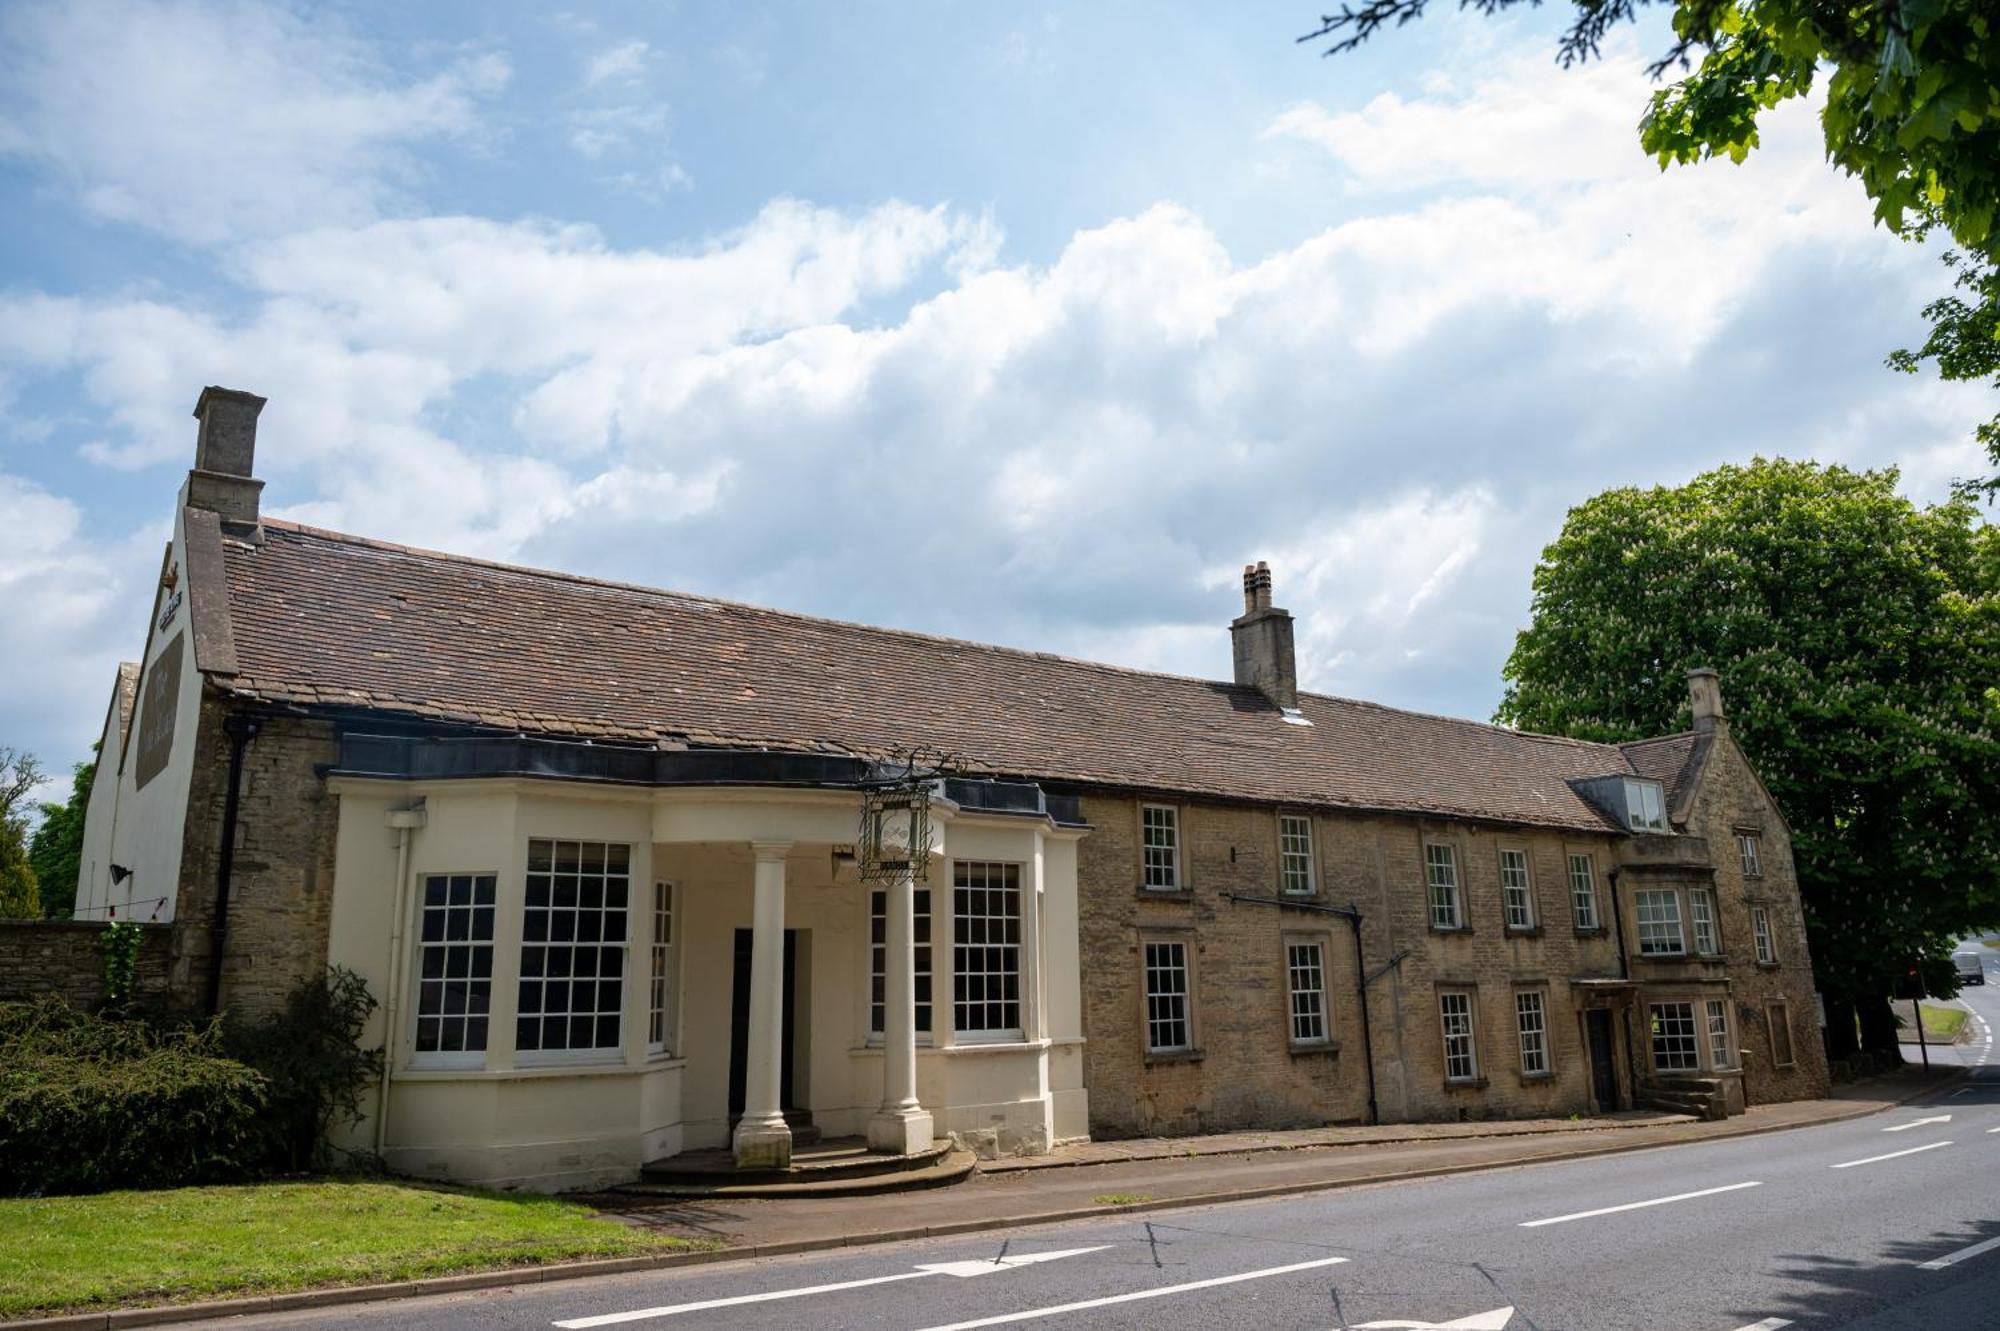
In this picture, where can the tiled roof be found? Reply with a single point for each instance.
(1672, 760)
(321, 618)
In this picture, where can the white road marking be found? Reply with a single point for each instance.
(1768, 1324)
(1918, 1123)
(1633, 1206)
(962, 1270)
(1953, 1258)
(1993, 1129)
(1495, 1320)
(1893, 1155)
(1134, 1297)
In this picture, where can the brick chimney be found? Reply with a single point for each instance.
(1262, 641)
(1705, 700)
(225, 453)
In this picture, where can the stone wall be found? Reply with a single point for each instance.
(66, 958)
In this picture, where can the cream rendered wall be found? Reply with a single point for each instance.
(93, 868)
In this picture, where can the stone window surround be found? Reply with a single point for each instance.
(1548, 1071)
(1323, 939)
(1186, 936)
(1180, 885)
(1704, 897)
(1469, 990)
(1278, 821)
(1750, 858)
(1461, 916)
(1763, 937)
(1656, 1004)
(1697, 997)
(1778, 1016)
(1683, 891)
(1533, 928)
(1589, 856)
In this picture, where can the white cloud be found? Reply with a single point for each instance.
(209, 122)
(623, 63)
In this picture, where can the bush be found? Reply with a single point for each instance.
(310, 1052)
(89, 1103)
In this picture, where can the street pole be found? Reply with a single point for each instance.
(1923, 1045)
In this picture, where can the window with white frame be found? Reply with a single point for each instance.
(1160, 846)
(1747, 851)
(1305, 973)
(1718, 1034)
(1781, 1035)
(986, 949)
(572, 993)
(1516, 894)
(878, 958)
(1168, 1028)
(1295, 854)
(1701, 913)
(1461, 1056)
(454, 964)
(1645, 805)
(1674, 1047)
(1532, 1018)
(1441, 873)
(1583, 891)
(1659, 912)
(660, 972)
(1760, 930)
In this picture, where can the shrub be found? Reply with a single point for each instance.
(89, 1103)
(310, 1051)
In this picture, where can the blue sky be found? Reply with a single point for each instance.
(1024, 324)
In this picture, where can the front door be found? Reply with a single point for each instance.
(739, 1025)
(1603, 1070)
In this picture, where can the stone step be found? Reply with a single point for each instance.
(840, 1157)
(929, 1169)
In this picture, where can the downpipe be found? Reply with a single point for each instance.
(405, 822)
(241, 728)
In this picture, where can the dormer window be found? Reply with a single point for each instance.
(1645, 805)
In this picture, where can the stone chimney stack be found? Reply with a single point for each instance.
(1262, 641)
(1705, 699)
(225, 454)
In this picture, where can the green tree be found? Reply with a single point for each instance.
(19, 774)
(1912, 110)
(56, 849)
(1858, 638)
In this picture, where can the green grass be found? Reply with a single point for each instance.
(1122, 1198)
(1943, 1023)
(178, 1244)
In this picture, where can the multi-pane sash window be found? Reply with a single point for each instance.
(1305, 971)
(1168, 1030)
(1461, 1059)
(1674, 1048)
(1583, 891)
(1160, 845)
(573, 946)
(1760, 929)
(1701, 912)
(1532, 1018)
(1645, 806)
(986, 948)
(1441, 872)
(1295, 854)
(659, 974)
(455, 963)
(1781, 1035)
(1746, 850)
(878, 958)
(1718, 1034)
(1659, 911)
(1514, 890)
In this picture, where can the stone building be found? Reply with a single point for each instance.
(593, 846)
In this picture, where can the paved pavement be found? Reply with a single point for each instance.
(1888, 1222)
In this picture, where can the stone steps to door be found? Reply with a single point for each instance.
(843, 1167)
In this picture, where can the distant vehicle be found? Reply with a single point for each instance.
(1971, 970)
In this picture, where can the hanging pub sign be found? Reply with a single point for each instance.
(896, 831)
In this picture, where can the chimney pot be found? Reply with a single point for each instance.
(1261, 642)
(1705, 698)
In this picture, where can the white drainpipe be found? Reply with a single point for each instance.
(405, 821)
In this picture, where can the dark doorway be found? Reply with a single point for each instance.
(1603, 1067)
(739, 1024)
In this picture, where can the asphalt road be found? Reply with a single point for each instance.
(1984, 1000)
(1819, 1227)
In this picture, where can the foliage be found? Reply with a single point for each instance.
(56, 850)
(88, 1103)
(120, 942)
(1964, 340)
(1912, 110)
(1858, 638)
(311, 1053)
(19, 774)
(71, 1253)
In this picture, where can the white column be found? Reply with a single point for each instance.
(901, 1126)
(762, 1139)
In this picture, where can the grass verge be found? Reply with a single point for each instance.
(1943, 1024)
(180, 1244)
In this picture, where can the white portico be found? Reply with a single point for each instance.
(593, 976)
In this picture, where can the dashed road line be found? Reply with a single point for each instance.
(1893, 1155)
(1954, 1258)
(1634, 1206)
(1030, 1314)
(1768, 1324)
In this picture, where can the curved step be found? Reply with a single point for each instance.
(945, 1167)
(836, 1160)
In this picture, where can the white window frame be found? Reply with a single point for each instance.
(1160, 836)
(1167, 989)
(1458, 1026)
(1298, 874)
(611, 1051)
(1760, 931)
(1645, 805)
(1441, 874)
(443, 948)
(924, 930)
(1583, 891)
(662, 974)
(1648, 940)
(1721, 1054)
(996, 950)
(1531, 1025)
(1681, 1041)
(1517, 889)
(1701, 920)
(1749, 852)
(1305, 987)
